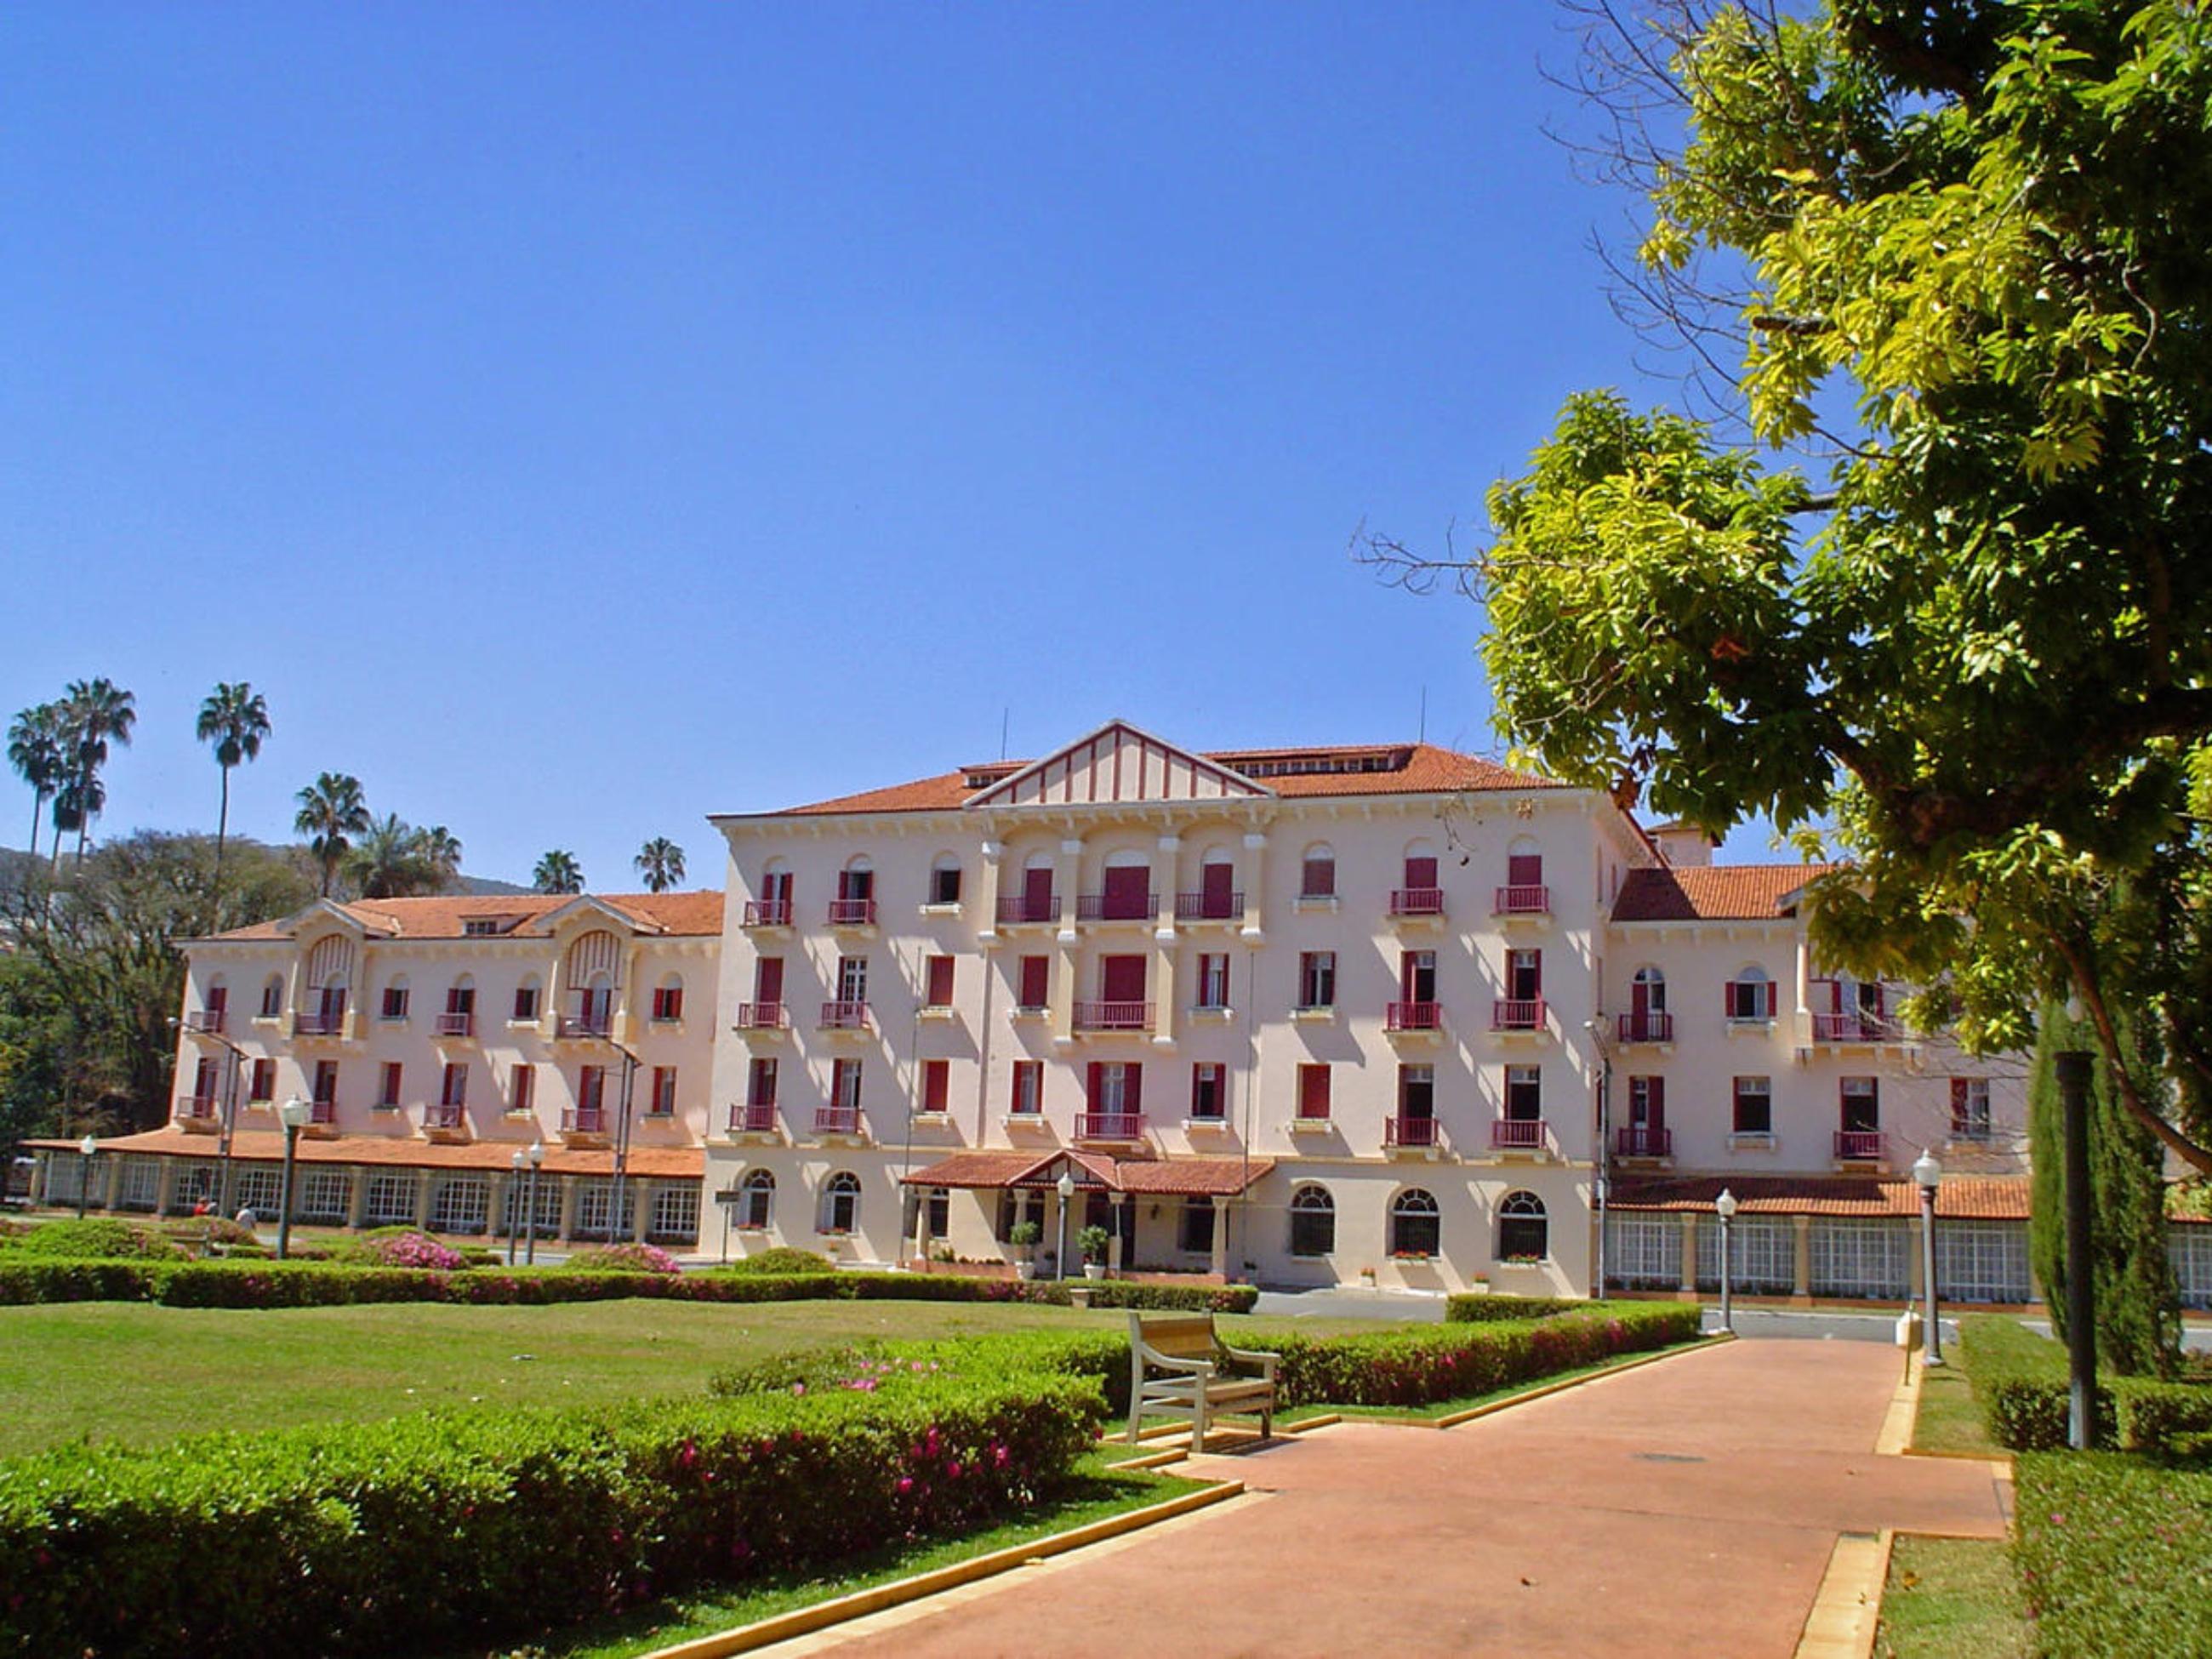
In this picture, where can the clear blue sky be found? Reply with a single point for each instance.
(576, 419)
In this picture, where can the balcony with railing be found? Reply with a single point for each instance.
(1857, 1027)
(752, 1119)
(1016, 909)
(456, 1025)
(1517, 1014)
(1522, 899)
(1109, 1126)
(206, 1020)
(853, 913)
(767, 913)
(199, 1114)
(590, 1024)
(1645, 1028)
(584, 1122)
(1517, 1134)
(1642, 1140)
(1418, 904)
(1209, 907)
(319, 1022)
(1117, 906)
(1113, 1017)
(762, 1016)
(837, 1119)
(844, 1017)
(323, 1114)
(1423, 1017)
(1861, 1147)
(444, 1121)
(1411, 1134)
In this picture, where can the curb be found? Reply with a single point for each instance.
(1847, 1608)
(802, 1621)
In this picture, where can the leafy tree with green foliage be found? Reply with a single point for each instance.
(558, 873)
(1965, 638)
(2138, 1303)
(331, 812)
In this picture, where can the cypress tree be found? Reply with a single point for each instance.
(2138, 1303)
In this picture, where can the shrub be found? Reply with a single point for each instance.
(438, 1530)
(623, 1259)
(1479, 1308)
(2167, 1420)
(1092, 1242)
(23, 1282)
(209, 1229)
(2111, 1553)
(2020, 1380)
(783, 1259)
(93, 1238)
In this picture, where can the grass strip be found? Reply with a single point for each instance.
(1951, 1422)
(1953, 1598)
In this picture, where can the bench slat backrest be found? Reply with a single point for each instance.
(1190, 1337)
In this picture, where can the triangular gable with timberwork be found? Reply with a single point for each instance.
(1118, 764)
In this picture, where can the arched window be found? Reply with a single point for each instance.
(394, 1004)
(214, 1002)
(945, 878)
(526, 998)
(772, 908)
(1415, 1227)
(1751, 994)
(1317, 873)
(1523, 1230)
(1313, 1221)
(841, 1203)
(1647, 1020)
(756, 1199)
(855, 904)
(460, 1016)
(668, 999)
(1647, 991)
(272, 997)
(1217, 896)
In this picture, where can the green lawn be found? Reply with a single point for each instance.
(138, 1373)
(1949, 1420)
(1953, 1598)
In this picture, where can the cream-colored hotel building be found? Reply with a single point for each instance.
(1345, 1015)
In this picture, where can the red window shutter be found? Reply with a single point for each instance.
(1319, 879)
(218, 998)
(525, 1086)
(1215, 884)
(1133, 1088)
(1524, 870)
(767, 980)
(1037, 892)
(1658, 1099)
(1536, 973)
(1313, 1091)
(1420, 873)
(1958, 1098)
(940, 983)
(1094, 1084)
(1121, 979)
(936, 1084)
(1036, 977)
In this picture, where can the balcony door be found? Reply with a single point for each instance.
(1128, 893)
(1215, 882)
(768, 981)
(1417, 977)
(1037, 893)
(1524, 870)
(1861, 1106)
(1121, 979)
(1524, 976)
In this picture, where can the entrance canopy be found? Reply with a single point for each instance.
(1187, 1177)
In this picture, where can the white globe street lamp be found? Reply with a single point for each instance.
(1724, 1207)
(1928, 1175)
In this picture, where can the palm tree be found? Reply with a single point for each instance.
(330, 810)
(441, 849)
(234, 719)
(35, 750)
(557, 872)
(80, 799)
(660, 861)
(391, 859)
(94, 712)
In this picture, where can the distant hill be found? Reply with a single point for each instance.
(485, 885)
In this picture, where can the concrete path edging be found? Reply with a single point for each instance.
(802, 1621)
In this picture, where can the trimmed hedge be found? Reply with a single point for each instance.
(1475, 1308)
(1403, 1367)
(432, 1531)
(93, 1237)
(2111, 1553)
(315, 1284)
(2022, 1384)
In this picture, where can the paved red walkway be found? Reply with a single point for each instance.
(1687, 1507)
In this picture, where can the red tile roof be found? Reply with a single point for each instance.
(1961, 1198)
(267, 1146)
(1716, 892)
(442, 917)
(1190, 1177)
(1425, 770)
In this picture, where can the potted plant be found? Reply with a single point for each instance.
(1091, 1240)
(1023, 1235)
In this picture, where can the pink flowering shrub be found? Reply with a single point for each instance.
(623, 1259)
(411, 1249)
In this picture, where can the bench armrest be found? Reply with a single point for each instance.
(1169, 1362)
(1266, 1362)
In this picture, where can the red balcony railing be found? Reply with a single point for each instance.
(762, 1016)
(1416, 901)
(1117, 906)
(1109, 1126)
(204, 1019)
(767, 913)
(319, 1022)
(1520, 1134)
(1639, 1140)
(1517, 1014)
(1025, 907)
(1860, 1146)
(1113, 1016)
(1208, 907)
(844, 1017)
(1413, 1016)
(199, 1109)
(853, 913)
(1646, 1028)
(584, 1121)
(323, 1111)
(752, 1119)
(595, 1024)
(1522, 901)
(444, 1116)
(457, 1025)
(837, 1119)
(1409, 1132)
(1852, 1028)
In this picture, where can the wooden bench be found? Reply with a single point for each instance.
(1179, 1367)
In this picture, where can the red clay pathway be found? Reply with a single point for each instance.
(1689, 1507)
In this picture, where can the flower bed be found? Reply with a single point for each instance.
(430, 1532)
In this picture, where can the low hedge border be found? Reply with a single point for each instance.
(435, 1530)
(1469, 1309)
(313, 1284)
(1415, 1367)
(2021, 1382)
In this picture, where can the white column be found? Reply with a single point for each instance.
(1253, 876)
(987, 899)
(1219, 1263)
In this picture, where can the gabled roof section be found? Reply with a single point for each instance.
(503, 915)
(1714, 892)
(1116, 763)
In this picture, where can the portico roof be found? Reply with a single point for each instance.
(1187, 1177)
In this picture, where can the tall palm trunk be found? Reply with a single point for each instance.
(221, 829)
(38, 806)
